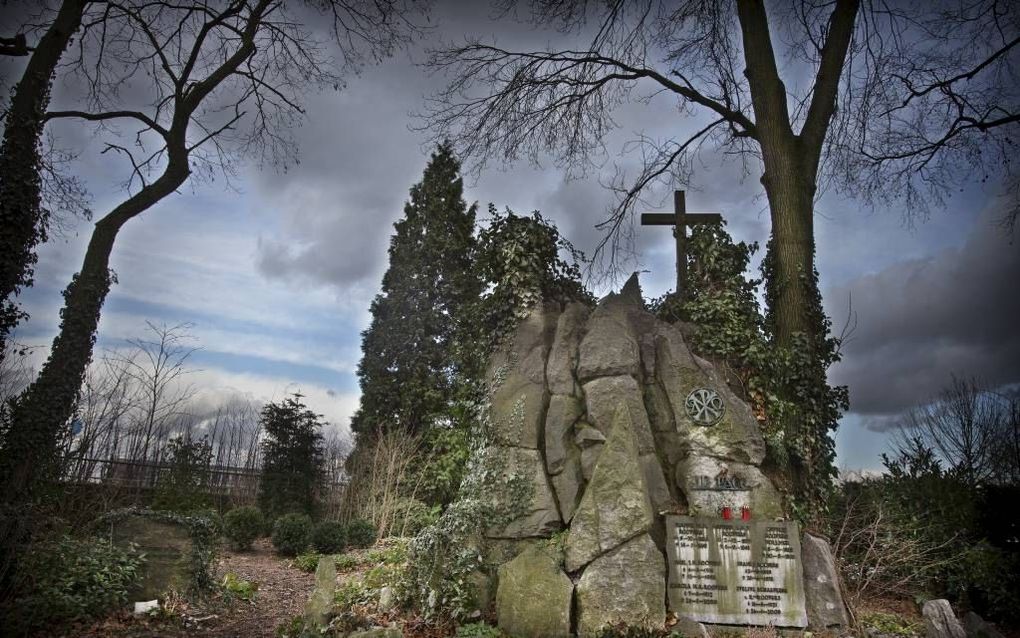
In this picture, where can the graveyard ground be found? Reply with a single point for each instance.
(282, 592)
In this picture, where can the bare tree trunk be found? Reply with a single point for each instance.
(22, 220)
(791, 163)
(47, 404)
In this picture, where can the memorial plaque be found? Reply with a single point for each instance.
(736, 572)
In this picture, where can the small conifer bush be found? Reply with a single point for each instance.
(292, 533)
(329, 537)
(360, 533)
(242, 525)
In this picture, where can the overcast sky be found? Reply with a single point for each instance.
(277, 274)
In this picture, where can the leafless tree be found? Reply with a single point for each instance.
(800, 93)
(107, 399)
(158, 367)
(225, 81)
(892, 97)
(973, 431)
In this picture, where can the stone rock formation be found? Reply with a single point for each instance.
(534, 597)
(825, 607)
(940, 621)
(615, 422)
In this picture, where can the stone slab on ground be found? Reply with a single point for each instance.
(167, 549)
(825, 608)
(736, 572)
(624, 586)
(533, 597)
(320, 603)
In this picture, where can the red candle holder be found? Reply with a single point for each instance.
(745, 513)
(727, 513)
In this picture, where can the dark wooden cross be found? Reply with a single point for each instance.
(680, 219)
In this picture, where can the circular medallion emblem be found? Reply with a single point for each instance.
(705, 406)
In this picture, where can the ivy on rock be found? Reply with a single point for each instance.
(786, 385)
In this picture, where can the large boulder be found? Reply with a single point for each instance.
(564, 410)
(978, 627)
(590, 409)
(825, 608)
(940, 621)
(627, 585)
(516, 380)
(736, 436)
(538, 516)
(568, 483)
(559, 370)
(615, 506)
(533, 597)
(609, 348)
(606, 395)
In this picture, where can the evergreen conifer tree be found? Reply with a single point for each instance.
(412, 349)
(292, 458)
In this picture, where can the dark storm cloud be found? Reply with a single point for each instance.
(922, 320)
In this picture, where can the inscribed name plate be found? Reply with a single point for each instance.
(735, 572)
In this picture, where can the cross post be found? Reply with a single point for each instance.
(680, 219)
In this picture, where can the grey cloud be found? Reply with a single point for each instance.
(921, 320)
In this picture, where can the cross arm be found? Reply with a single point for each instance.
(670, 219)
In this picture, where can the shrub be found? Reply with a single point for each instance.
(236, 587)
(412, 516)
(214, 517)
(352, 593)
(360, 533)
(479, 630)
(292, 533)
(182, 487)
(345, 562)
(393, 555)
(242, 525)
(329, 537)
(69, 579)
(306, 562)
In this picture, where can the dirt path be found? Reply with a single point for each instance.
(282, 593)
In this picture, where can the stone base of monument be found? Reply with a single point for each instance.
(637, 450)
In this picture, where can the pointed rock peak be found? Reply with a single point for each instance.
(631, 291)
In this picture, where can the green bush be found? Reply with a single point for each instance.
(412, 516)
(183, 486)
(292, 534)
(329, 537)
(479, 630)
(242, 525)
(345, 562)
(393, 555)
(69, 579)
(360, 533)
(214, 518)
(308, 562)
(236, 587)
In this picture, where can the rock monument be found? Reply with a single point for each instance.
(620, 428)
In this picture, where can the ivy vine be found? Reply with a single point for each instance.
(784, 385)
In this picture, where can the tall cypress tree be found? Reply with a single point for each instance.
(410, 358)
